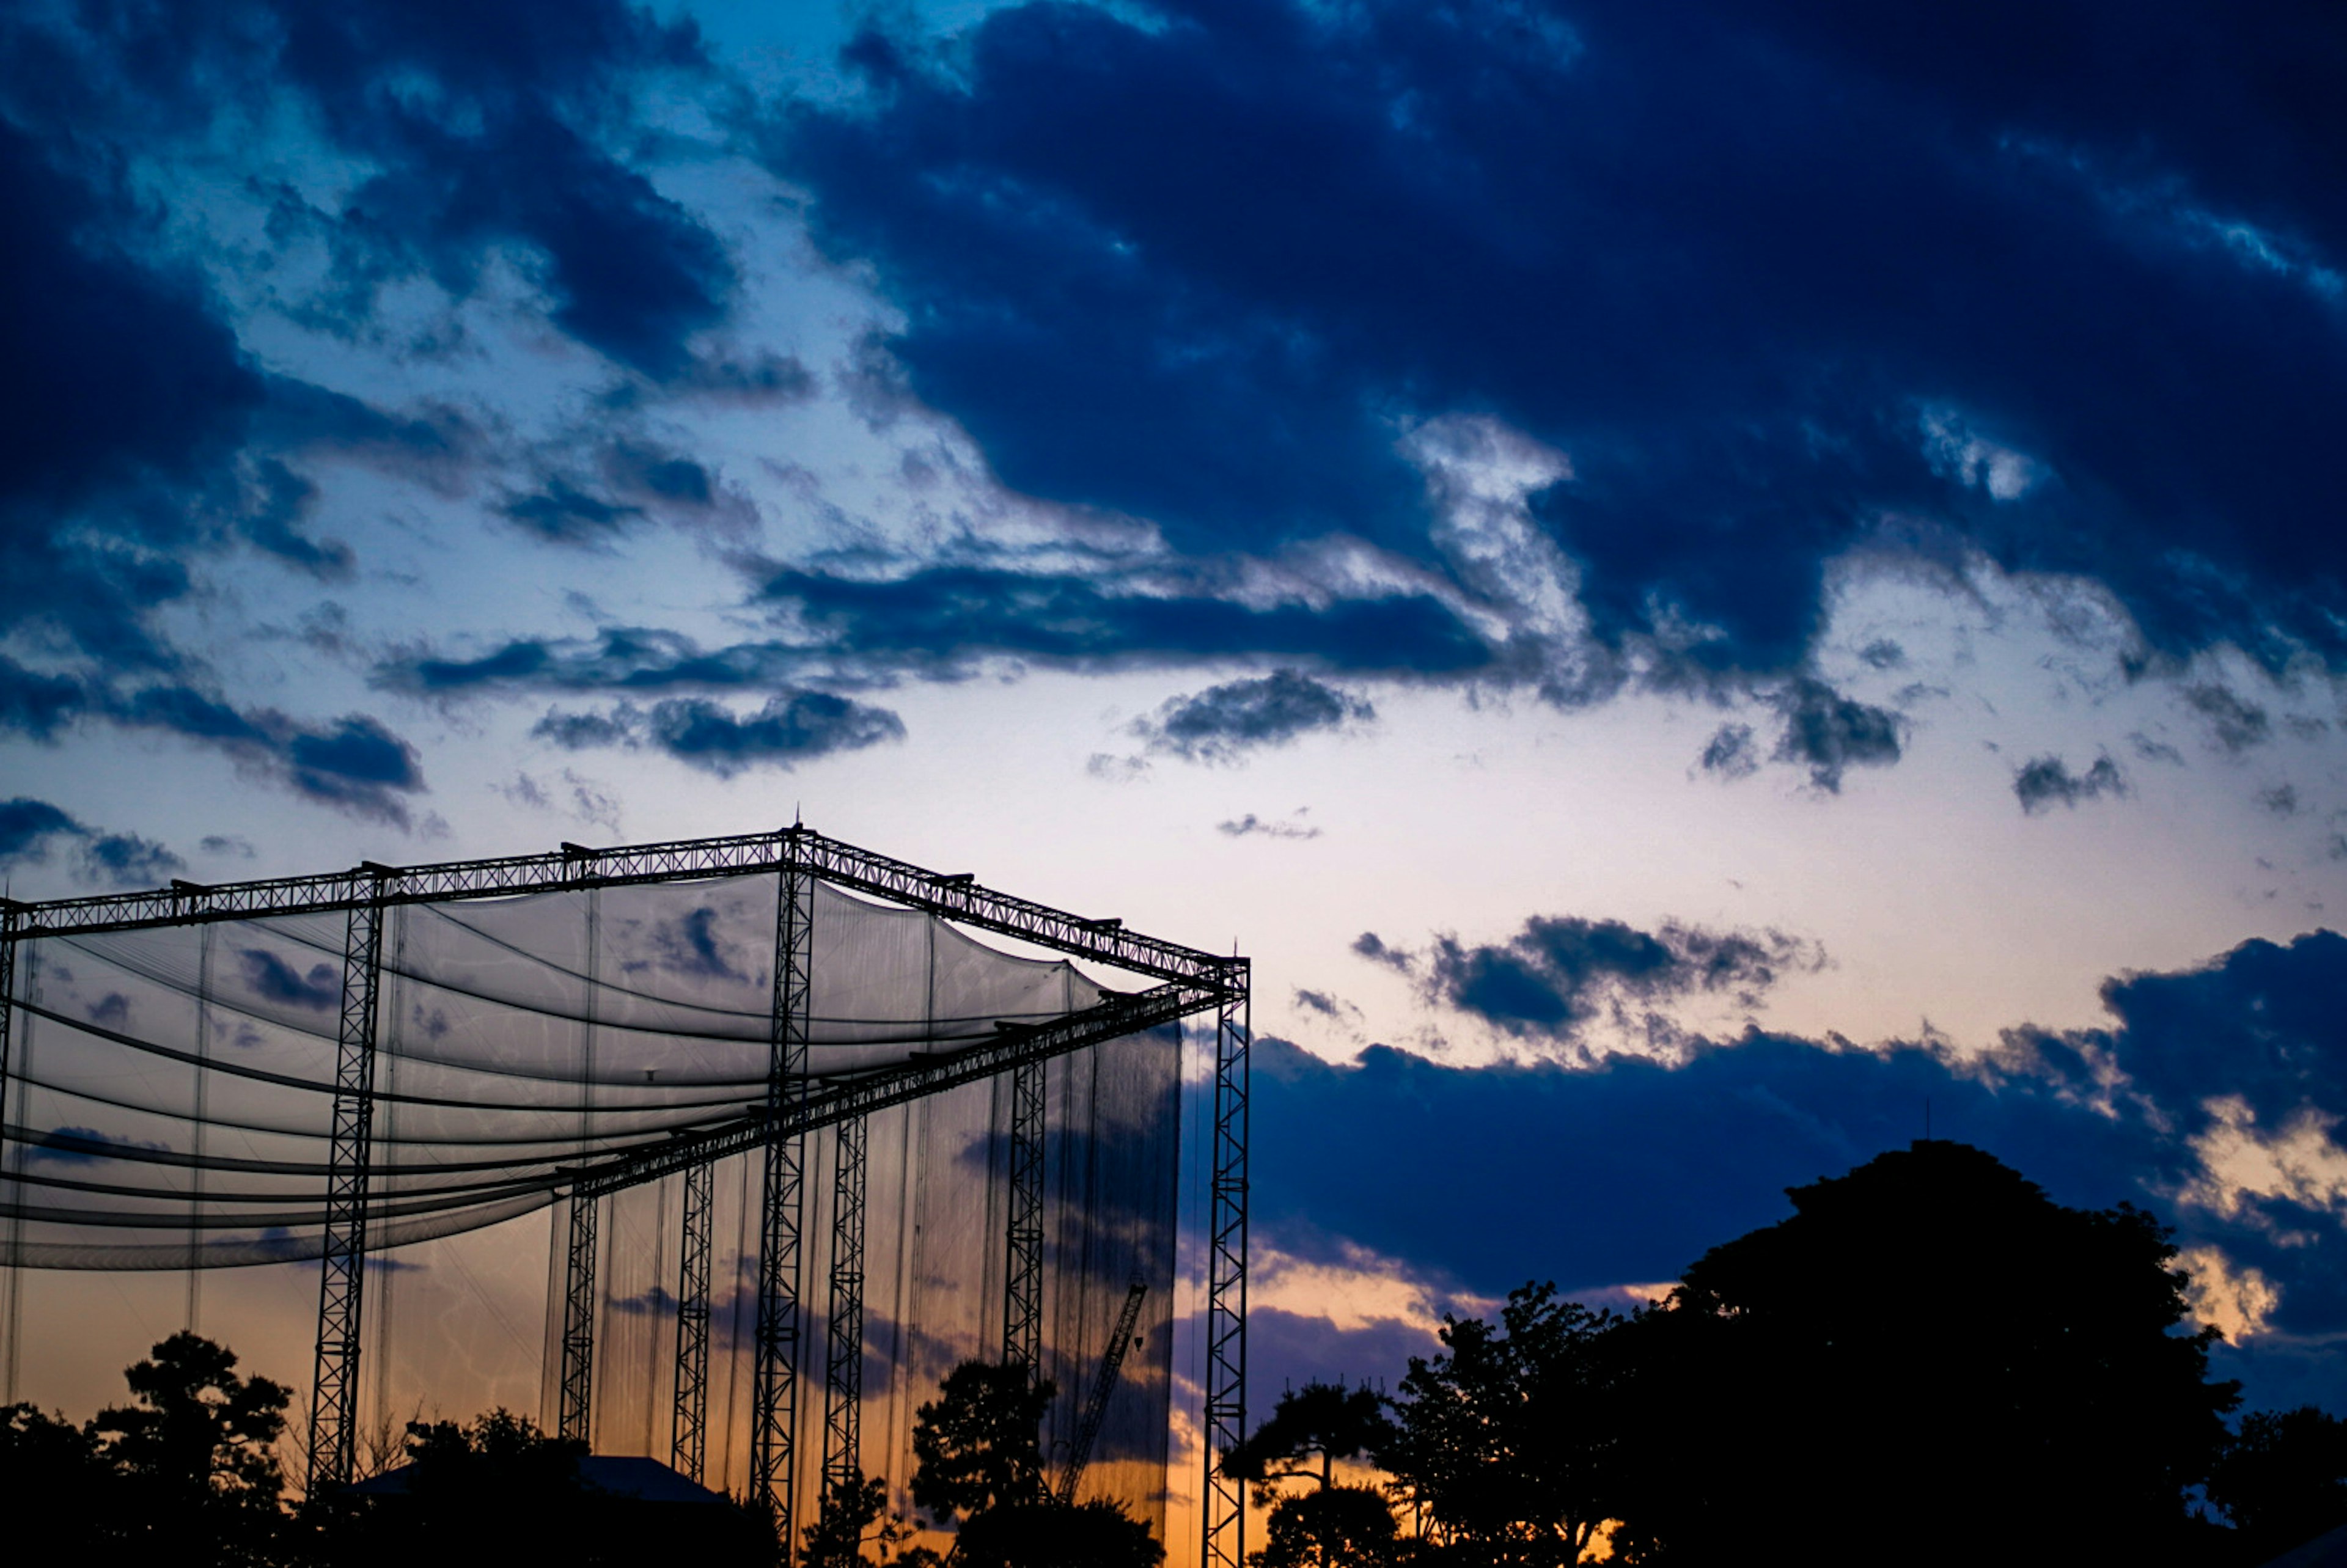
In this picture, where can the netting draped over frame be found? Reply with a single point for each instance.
(170, 1095)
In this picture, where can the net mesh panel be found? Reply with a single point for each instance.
(170, 1105)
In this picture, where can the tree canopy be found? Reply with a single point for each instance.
(2283, 1481)
(1330, 1525)
(1931, 1362)
(979, 1469)
(1508, 1443)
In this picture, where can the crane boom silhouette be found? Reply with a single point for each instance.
(1096, 1408)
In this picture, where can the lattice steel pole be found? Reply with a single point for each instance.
(689, 1419)
(7, 1001)
(843, 1390)
(11, 1280)
(342, 1279)
(1023, 1295)
(773, 1408)
(578, 1408)
(1223, 1536)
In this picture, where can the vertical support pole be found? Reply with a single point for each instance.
(341, 1278)
(689, 1419)
(578, 1407)
(193, 1317)
(842, 1392)
(1022, 1297)
(1223, 1537)
(12, 1297)
(576, 1411)
(773, 1408)
(7, 1002)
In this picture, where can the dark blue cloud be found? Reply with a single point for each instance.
(1558, 973)
(272, 523)
(1221, 723)
(478, 132)
(693, 946)
(502, 147)
(940, 618)
(1828, 733)
(1771, 275)
(29, 827)
(26, 824)
(793, 727)
(79, 1145)
(127, 860)
(2043, 783)
(120, 384)
(355, 763)
(585, 732)
(1251, 825)
(2235, 723)
(1730, 753)
(567, 516)
(35, 704)
(1627, 1172)
(619, 658)
(271, 977)
(1818, 730)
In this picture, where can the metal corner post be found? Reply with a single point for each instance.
(1223, 1535)
(342, 1279)
(842, 1392)
(773, 1414)
(1022, 1294)
(577, 1418)
(575, 1415)
(7, 999)
(689, 1419)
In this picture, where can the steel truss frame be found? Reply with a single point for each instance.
(1224, 1534)
(11, 1299)
(1022, 1293)
(8, 915)
(957, 897)
(843, 1388)
(342, 1275)
(689, 1415)
(577, 1418)
(1192, 981)
(773, 1408)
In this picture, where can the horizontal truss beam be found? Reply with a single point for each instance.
(958, 898)
(830, 1102)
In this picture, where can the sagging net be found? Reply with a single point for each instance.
(169, 1107)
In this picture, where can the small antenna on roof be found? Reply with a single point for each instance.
(798, 819)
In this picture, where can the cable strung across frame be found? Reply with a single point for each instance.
(965, 1149)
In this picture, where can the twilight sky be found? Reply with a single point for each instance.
(1682, 577)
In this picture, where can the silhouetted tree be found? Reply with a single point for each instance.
(1508, 1443)
(1931, 1362)
(1332, 1525)
(56, 1488)
(979, 1469)
(1054, 1534)
(1307, 1432)
(196, 1454)
(854, 1514)
(974, 1446)
(2282, 1479)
